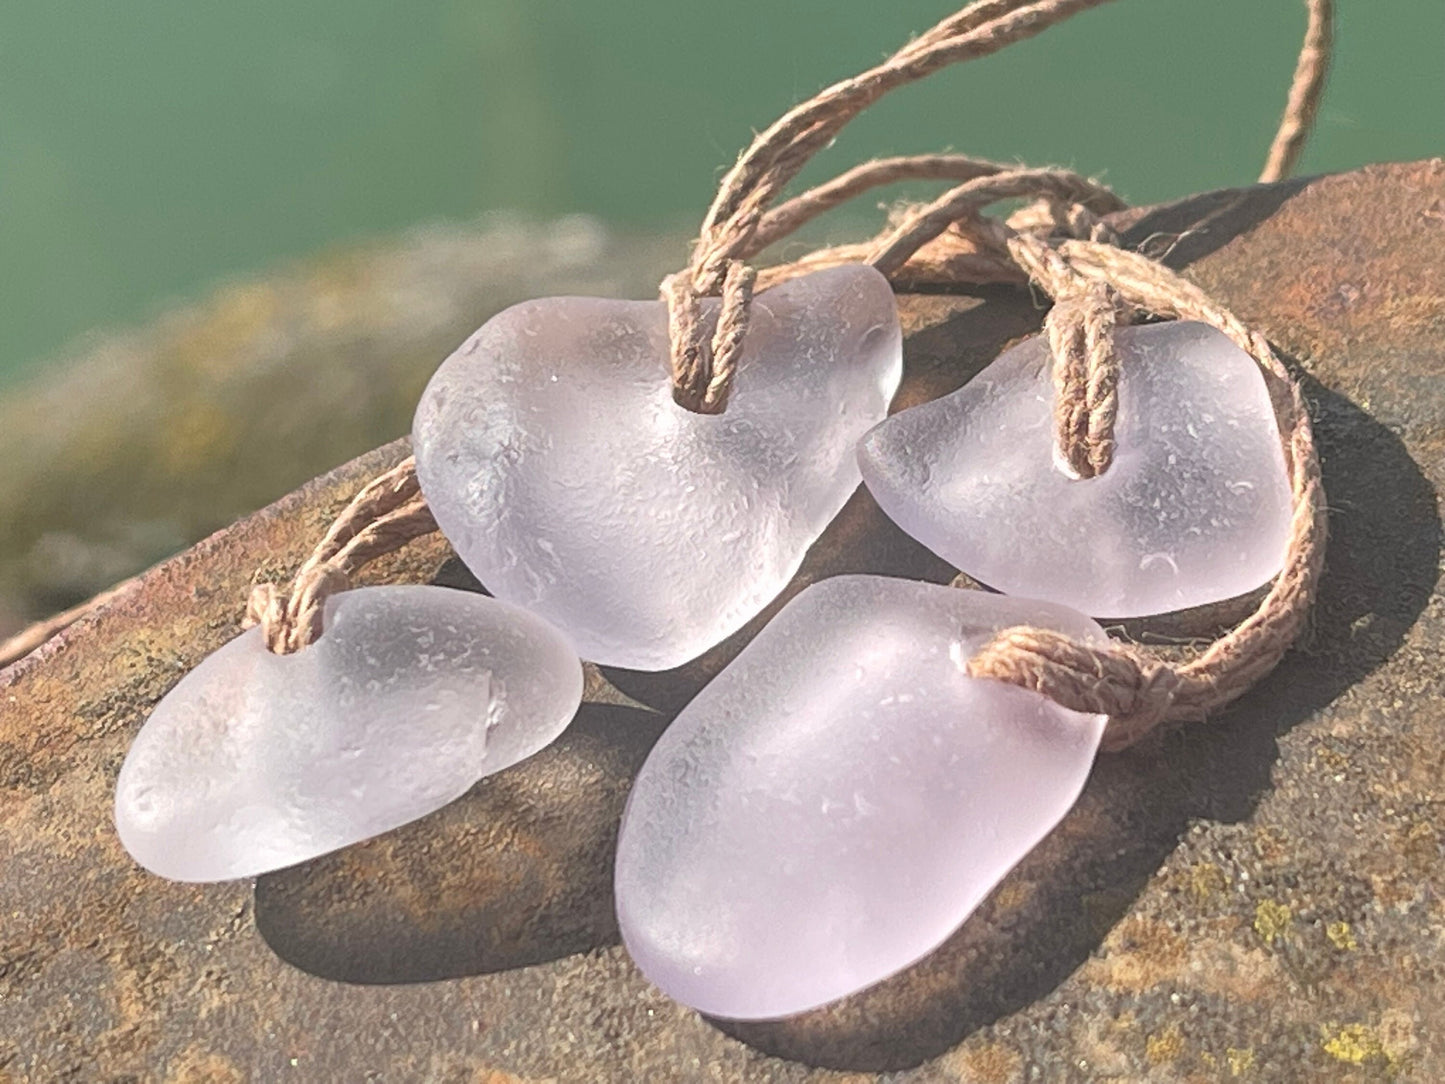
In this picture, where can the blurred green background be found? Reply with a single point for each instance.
(148, 148)
(236, 238)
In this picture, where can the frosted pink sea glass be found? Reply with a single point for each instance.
(557, 463)
(840, 798)
(256, 761)
(1194, 509)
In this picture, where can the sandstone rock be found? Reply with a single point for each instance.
(1258, 896)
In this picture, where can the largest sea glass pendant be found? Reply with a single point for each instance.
(1194, 509)
(256, 761)
(840, 798)
(557, 463)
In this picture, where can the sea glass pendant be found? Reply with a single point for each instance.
(1194, 509)
(557, 463)
(256, 761)
(840, 798)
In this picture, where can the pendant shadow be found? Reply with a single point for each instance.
(1180, 233)
(516, 872)
(1053, 911)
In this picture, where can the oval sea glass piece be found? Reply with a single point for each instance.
(1194, 509)
(557, 463)
(840, 798)
(256, 761)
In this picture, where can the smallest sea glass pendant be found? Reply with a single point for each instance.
(1194, 509)
(256, 761)
(841, 797)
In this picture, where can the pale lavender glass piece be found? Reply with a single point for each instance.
(256, 761)
(1195, 508)
(840, 798)
(557, 463)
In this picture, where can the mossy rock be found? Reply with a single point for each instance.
(149, 440)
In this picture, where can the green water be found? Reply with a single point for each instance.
(150, 148)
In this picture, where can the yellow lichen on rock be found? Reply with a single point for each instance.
(1207, 882)
(1240, 1061)
(1353, 1043)
(1341, 936)
(1164, 1046)
(1271, 920)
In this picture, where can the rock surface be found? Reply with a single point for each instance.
(1259, 898)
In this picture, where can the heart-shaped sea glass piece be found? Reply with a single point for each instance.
(556, 461)
(840, 798)
(256, 761)
(1194, 509)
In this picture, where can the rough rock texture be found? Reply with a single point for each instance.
(1259, 898)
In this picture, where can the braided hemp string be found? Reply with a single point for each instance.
(1305, 91)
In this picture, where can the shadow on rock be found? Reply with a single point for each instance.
(1180, 233)
(1055, 908)
(516, 872)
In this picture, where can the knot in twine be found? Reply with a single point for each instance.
(1080, 331)
(1135, 690)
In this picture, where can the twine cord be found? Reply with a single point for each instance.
(1121, 681)
(730, 229)
(384, 516)
(1059, 242)
(1080, 329)
(1305, 91)
(789, 217)
(738, 224)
